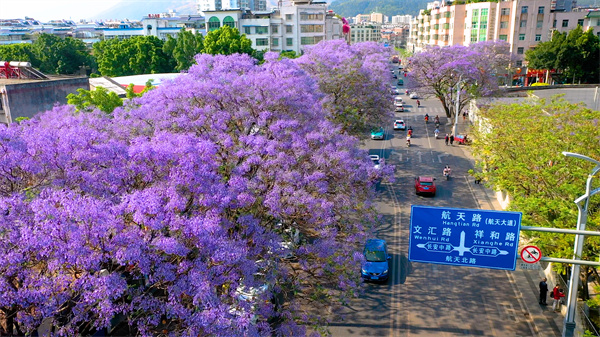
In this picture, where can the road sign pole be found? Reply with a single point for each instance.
(569, 324)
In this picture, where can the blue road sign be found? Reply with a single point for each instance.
(464, 237)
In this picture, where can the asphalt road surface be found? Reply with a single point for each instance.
(423, 299)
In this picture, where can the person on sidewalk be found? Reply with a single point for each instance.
(543, 291)
(447, 139)
(557, 294)
(451, 139)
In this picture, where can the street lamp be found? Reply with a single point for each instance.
(569, 324)
(457, 105)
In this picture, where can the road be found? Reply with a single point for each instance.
(423, 299)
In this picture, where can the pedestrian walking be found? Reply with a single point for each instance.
(557, 294)
(451, 139)
(447, 139)
(464, 116)
(543, 291)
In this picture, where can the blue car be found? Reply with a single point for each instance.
(376, 266)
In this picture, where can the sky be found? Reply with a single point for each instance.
(46, 10)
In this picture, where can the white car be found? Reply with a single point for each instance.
(399, 125)
(395, 91)
(375, 160)
(414, 95)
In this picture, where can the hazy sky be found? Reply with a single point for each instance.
(46, 10)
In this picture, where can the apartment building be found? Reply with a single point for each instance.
(401, 19)
(522, 23)
(365, 31)
(216, 5)
(290, 27)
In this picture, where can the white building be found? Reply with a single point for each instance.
(290, 27)
(401, 19)
(216, 5)
(366, 31)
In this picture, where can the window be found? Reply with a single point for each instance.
(213, 23)
(228, 21)
(521, 37)
(524, 9)
(262, 30)
(305, 40)
(503, 24)
(580, 22)
(446, 26)
(505, 11)
(289, 29)
(289, 41)
(539, 24)
(448, 15)
(598, 22)
(519, 64)
(311, 28)
(262, 42)
(436, 26)
(523, 23)
(520, 50)
(483, 25)
(565, 23)
(475, 13)
(554, 24)
(437, 16)
(275, 42)
(306, 17)
(503, 38)
(538, 37)
(288, 17)
(541, 10)
(274, 29)
(247, 30)
(435, 37)
(484, 12)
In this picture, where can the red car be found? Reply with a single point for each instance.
(425, 185)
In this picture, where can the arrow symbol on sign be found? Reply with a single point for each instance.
(440, 156)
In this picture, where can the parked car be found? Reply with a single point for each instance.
(398, 100)
(425, 185)
(375, 160)
(399, 125)
(414, 95)
(395, 91)
(399, 108)
(400, 82)
(376, 266)
(378, 133)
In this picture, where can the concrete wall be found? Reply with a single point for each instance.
(28, 99)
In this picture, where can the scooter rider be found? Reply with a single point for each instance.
(426, 118)
(418, 104)
(437, 133)
(407, 140)
(447, 171)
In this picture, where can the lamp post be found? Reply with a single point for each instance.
(569, 324)
(457, 105)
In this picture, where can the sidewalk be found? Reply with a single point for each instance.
(543, 321)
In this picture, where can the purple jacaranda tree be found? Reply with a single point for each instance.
(438, 71)
(222, 203)
(355, 80)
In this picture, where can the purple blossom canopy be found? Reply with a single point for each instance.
(164, 213)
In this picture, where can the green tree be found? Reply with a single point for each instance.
(100, 98)
(524, 158)
(227, 41)
(132, 56)
(290, 54)
(58, 55)
(184, 48)
(132, 94)
(575, 54)
(19, 52)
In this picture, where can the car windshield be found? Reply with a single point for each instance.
(426, 183)
(375, 255)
